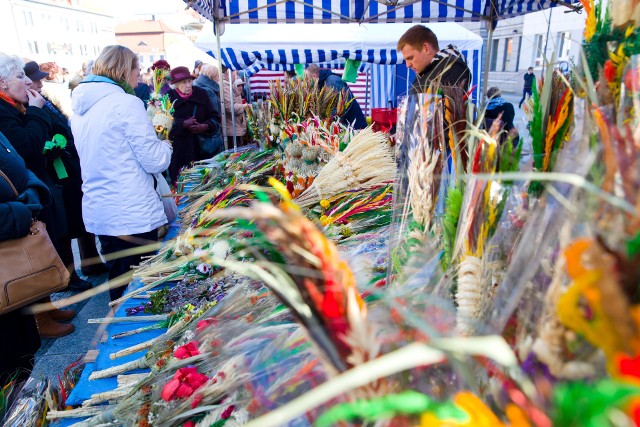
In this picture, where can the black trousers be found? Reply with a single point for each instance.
(122, 265)
(21, 341)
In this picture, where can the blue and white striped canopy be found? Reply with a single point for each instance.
(365, 11)
(256, 47)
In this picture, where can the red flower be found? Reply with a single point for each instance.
(188, 350)
(189, 424)
(184, 383)
(227, 412)
(632, 80)
(169, 390)
(204, 323)
(629, 366)
(197, 399)
(609, 71)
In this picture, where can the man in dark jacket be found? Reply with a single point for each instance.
(529, 78)
(421, 51)
(353, 116)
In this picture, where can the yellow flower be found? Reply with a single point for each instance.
(325, 220)
(325, 203)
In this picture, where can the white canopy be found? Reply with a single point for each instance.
(306, 43)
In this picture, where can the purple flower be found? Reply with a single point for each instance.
(535, 369)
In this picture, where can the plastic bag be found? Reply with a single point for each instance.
(164, 191)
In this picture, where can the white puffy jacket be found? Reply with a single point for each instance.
(118, 151)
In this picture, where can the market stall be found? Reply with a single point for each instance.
(329, 278)
(256, 47)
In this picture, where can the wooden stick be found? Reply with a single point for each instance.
(154, 318)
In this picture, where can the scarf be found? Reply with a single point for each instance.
(92, 78)
(182, 95)
(21, 108)
(496, 102)
(448, 53)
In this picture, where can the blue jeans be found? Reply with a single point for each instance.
(525, 92)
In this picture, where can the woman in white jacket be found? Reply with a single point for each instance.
(119, 152)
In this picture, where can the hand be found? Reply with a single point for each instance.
(199, 128)
(53, 154)
(35, 99)
(30, 197)
(189, 122)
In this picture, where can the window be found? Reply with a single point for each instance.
(27, 18)
(494, 55)
(506, 58)
(564, 45)
(33, 47)
(538, 50)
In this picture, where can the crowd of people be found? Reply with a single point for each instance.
(113, 158)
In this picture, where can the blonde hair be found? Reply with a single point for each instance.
(115, 62)
(209, 71)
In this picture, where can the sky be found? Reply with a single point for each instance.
(131, 9)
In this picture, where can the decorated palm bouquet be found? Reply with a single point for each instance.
(160, 108)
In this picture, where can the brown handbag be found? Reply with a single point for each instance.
(30, 267)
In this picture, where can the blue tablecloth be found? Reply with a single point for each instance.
(85, 387)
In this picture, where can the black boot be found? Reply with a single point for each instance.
(76, 284)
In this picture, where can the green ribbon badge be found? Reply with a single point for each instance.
(351, 71)
(299, 70)
(58, 141)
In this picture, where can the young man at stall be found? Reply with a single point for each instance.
(420, 49)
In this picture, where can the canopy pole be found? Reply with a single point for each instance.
(487, 59)
(233, 108)
(223, 114)
(546, 43)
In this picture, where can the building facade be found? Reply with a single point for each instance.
(66, 32)
(524, 41)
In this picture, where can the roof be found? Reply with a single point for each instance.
(144, 27)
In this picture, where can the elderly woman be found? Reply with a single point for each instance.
(208, 80)
(18, 331)
(119, 151)
(234, 112)
(28, 128)
(194, 117)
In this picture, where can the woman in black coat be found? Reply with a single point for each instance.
(194, 116)
(28, 128)
(18, 331)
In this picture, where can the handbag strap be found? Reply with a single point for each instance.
(6, 178)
